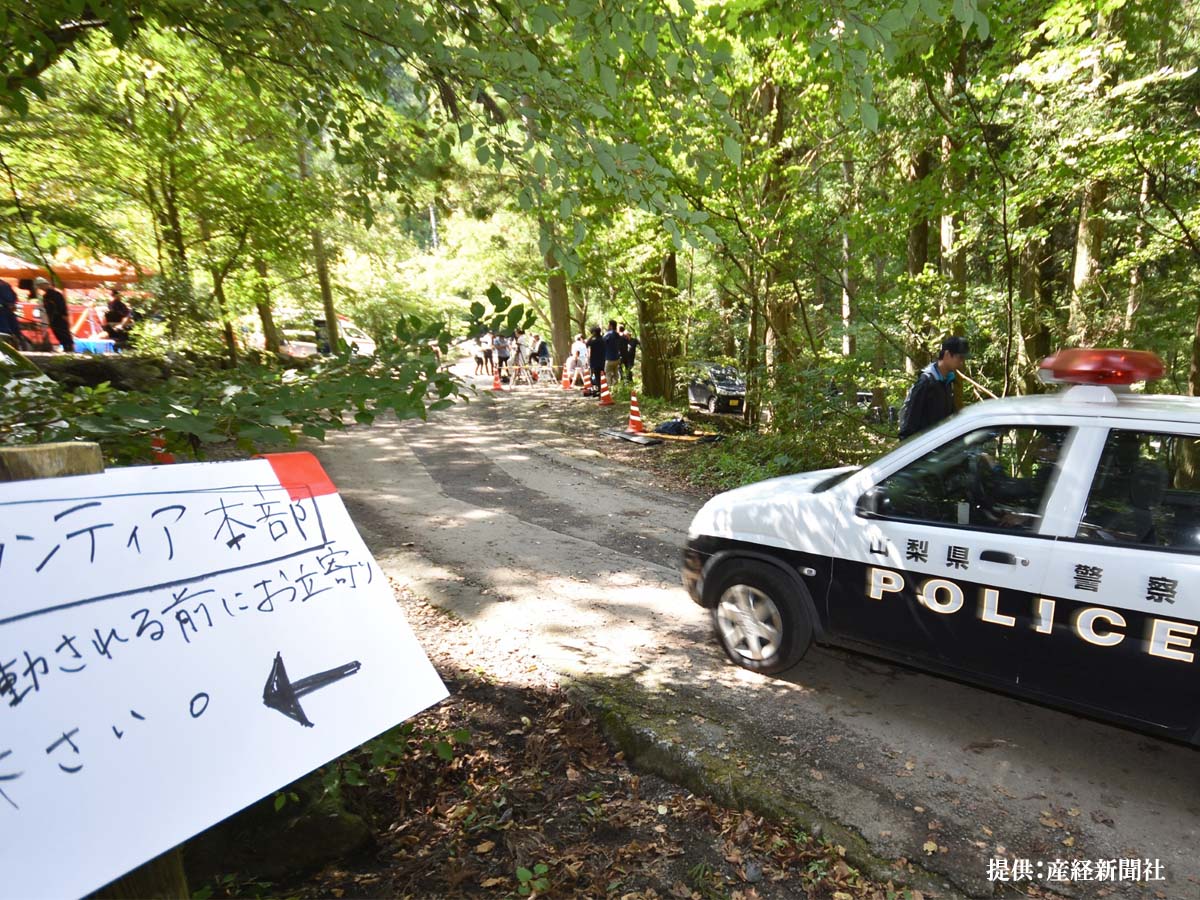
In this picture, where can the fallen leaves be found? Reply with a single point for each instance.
(536, 790)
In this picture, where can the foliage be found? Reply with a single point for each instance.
(253, 406)
(529, 881)
(791, 166)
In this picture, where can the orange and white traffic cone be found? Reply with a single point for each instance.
(566, 382)
(635, 416)
(496, 385)
(605, 397)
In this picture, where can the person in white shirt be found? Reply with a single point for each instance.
(578, 364)
(486, 340)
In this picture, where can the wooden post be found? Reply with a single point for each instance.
(164, 875)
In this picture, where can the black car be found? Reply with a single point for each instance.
(716, 387)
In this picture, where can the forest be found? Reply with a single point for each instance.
(815, 192)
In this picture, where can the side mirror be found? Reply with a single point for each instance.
(874, 502)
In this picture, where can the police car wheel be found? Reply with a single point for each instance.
(759, 619)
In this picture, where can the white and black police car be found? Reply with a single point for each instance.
(1048, 546)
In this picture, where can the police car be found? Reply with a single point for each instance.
(1045, 545)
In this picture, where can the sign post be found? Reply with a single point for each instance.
(177, 642)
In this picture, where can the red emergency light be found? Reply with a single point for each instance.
(1101, 366)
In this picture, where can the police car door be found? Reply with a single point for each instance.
(946, 554)
(1118, 626)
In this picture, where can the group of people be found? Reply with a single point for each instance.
(118, 317)
(612, 352)
(496, 352)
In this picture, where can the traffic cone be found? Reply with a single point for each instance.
(605, 397)
(635, 416)
(496, 385)
(566, 383)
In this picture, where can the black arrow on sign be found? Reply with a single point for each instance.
(283, 694)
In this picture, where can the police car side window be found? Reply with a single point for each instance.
(995, 477)
(1146, 491)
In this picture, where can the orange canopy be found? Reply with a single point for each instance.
(72, 271)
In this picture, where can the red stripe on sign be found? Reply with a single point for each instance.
(301, 474)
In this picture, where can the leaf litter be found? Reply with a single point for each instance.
(535, 802)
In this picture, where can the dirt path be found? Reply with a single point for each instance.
(545, 537)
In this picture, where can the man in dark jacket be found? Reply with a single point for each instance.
(931, 398)
(9, 324)
(55, 305)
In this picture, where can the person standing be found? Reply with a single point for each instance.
(628, 352)
(931, 398)
(9, 325)
(612, 353)
(487, 340)
(500, 345)
(596, 360)
(477, 352)
(55, 305)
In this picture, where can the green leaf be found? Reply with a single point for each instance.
(733, 150)
(608, 80)
(650, 44)
(983, 26)
(870, 116)
(482, 153)
(524, 874)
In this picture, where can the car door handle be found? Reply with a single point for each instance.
(999, 556)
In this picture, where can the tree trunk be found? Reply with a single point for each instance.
(1085, 270)
(953, 253)
(322, 263)
(753, 369)
(878, 391)
(725, 298)
(848, 342)
(218, 279)
(1134, 298)
(263, 304)
(226, 324)
(1030, 324)
(658, 341)
(916, 170)
(560, 312)
(580, 311)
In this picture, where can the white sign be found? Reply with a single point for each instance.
(175, 643)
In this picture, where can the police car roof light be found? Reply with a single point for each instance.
(1101, 366)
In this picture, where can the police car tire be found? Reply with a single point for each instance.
(795, 624)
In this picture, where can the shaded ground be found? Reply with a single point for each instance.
(534, 801)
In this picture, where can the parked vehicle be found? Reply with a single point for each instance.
(1048, 546)
(303, 335)
(717, 388)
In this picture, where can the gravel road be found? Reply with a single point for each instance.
(525, 530)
